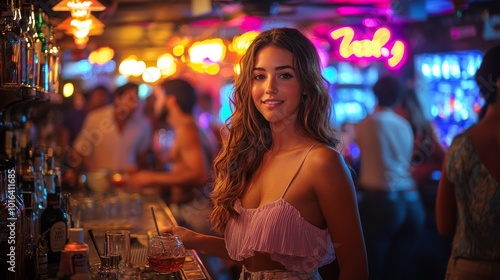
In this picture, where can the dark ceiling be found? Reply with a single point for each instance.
(145, 26)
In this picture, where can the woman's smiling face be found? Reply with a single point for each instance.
(276, 91)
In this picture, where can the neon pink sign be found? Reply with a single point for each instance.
(376, 47)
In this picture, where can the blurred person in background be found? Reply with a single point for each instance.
(428, 153)
(82, 104)
(209, 122)
(390, 208)
(73, 116)
(427, 158)
(468, 201)
(186, 182)
(115, 137)
(97, 97)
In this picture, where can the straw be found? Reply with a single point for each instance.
(157, 229)
(156, 222)
(95, 243)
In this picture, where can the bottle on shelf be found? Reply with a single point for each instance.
(24, 44)
(41, 51)
(66, 206)
(42, 258)
(10, 44)
(38, 155)
(54, 62)
(53, 231)
(35, 256)
(29, 237)
(49, 172)
(27, 30)
(28, 183)
(74, 257)
(65, 198)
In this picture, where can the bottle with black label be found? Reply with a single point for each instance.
(53, 231)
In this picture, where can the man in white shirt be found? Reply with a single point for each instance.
(116, 137)
(391, 212)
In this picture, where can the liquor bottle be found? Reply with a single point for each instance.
(53, 229)
(54, 62)
(9, 142)
(74, 257)
(35, 253)
(41, 259)
(27, 181)
(41, 52)
(66, 206)
(65, 198)
(29, 237)
(23, 44)
(10, 55)
(38, 156)
(49, 172)
(27, 27)
(35, 65)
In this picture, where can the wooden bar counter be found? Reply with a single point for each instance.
(131, 211)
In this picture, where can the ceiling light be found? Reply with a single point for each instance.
(92, 25)
(68, 5)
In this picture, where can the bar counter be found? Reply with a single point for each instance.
(139, 222)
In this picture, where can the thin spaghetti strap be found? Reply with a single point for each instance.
(298, 169)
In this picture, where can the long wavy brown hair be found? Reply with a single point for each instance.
(248, 132)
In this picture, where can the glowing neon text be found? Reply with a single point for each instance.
(370, 48)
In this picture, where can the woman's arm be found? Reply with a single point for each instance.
(446, 206)
(334, 190)
(205, 244)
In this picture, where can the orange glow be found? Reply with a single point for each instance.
(68, 5)
(210, 69)
(212, 49)
(81, 43)
(101, 56)
(178, 50)
(91, 26)
(241, 43)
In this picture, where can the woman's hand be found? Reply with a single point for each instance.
(187, 236)
(202, 243)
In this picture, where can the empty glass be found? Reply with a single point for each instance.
(166, 253)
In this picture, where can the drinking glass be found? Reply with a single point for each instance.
(166, 253)
(118, 247)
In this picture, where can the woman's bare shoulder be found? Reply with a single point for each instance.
(324, 152)
(324, 158)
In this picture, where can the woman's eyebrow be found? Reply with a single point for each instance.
(276, 68)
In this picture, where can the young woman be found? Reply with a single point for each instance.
(284, 199)
(468, 200)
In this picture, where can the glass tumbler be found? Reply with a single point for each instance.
(166, 253)
(118, 247)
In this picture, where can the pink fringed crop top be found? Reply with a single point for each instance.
(278, 229)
